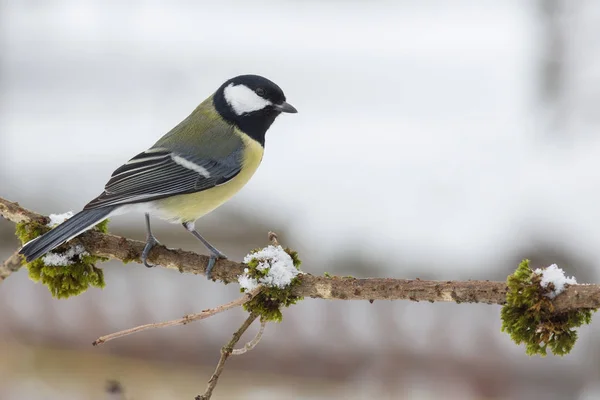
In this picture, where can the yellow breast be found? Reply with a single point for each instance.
(190, 207)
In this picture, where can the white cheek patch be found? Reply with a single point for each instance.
(243, 100)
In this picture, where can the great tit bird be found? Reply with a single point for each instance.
(190, 171)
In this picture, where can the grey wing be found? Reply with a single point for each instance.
(159, 173)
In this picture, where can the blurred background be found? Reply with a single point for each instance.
(434, 139)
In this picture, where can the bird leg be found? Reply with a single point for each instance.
(214, 253)
(150, 242)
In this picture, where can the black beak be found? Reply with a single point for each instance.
(285, 107)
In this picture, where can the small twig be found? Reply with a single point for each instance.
(14, 212)
(273, 238)
(226, 351)
(12, 264)
(251, 344)
(182, 321)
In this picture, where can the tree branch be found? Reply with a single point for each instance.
(575, 297)
(251, 344)
(12, 264)
(225, 353)
(182, 321)
(15, 213)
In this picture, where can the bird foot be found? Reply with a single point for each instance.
(212, 260)
(150, 243)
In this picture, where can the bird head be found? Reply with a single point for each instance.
(252, 103)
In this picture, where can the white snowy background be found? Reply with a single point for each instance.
(422, 145)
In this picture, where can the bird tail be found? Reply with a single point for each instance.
(64, 232)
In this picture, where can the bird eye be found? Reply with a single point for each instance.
(260, 92)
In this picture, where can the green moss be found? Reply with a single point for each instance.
(327, 274)
(102, 226)
(270, 300)
(528, 316)
(27, 231)
(67, 280)
(295, 259)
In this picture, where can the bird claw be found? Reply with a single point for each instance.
(147, 264)
(212, 260)
(150, 243)
(214, 253)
